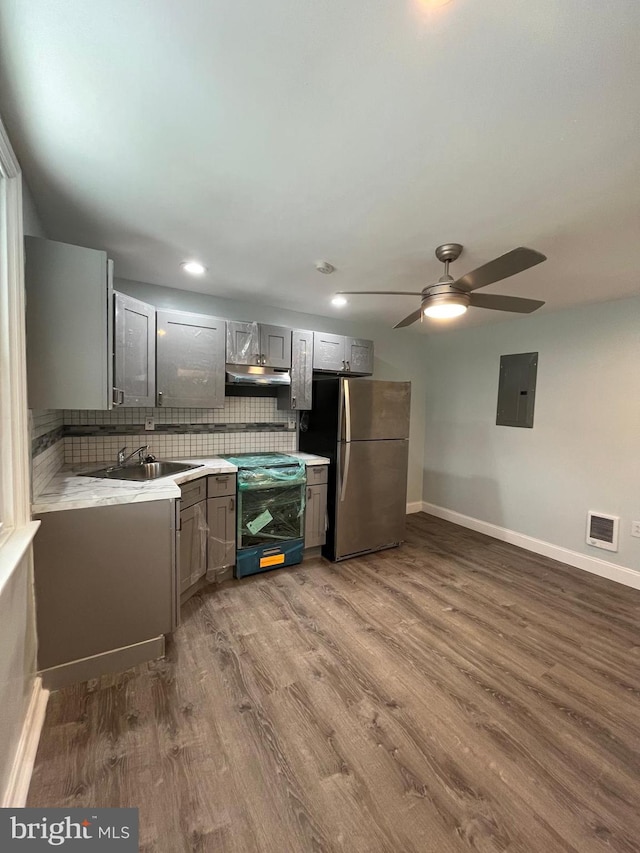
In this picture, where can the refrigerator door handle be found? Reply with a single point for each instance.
(347, 412)
(345, 473)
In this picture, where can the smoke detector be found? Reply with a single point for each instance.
(325, 267)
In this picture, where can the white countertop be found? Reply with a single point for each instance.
(68, 490)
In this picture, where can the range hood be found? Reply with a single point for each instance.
(251, 374)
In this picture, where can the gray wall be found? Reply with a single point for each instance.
(398, 355)
(31, 221)
(582, 452)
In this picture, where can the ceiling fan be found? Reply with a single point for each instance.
(450, 297)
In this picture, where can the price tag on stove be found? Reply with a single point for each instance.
(259, 522)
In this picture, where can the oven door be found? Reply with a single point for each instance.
(270, 515)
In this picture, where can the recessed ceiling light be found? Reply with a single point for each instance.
(339, 301)
(193, 267)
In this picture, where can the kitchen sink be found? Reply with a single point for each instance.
(142, 471)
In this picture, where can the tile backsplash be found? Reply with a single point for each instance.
(79, 436)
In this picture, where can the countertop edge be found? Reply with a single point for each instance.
(164, 488)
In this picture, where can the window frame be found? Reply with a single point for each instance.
(14, 422)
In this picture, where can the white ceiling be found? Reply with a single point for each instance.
(262, 136)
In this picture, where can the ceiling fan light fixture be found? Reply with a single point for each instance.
(445, 306)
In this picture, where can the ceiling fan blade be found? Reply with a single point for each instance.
(515, 261)
(415, 315)
(380, 292)
(505, 303)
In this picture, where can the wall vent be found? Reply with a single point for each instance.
(602, 530)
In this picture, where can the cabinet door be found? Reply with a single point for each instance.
(298, 395)
(301, 369)
(328, 352)
(315, 515)
(68, 318)
(275, 346)
(134, 370)
(221, 515)
(190, 352)
(243, 343)
(193, 544)
(103, 579)
(359, 356)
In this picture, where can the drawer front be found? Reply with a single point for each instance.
(191, 493)
(219, 485)
(317, 474)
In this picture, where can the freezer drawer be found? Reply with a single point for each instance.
(370, 497)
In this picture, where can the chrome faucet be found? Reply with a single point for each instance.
(141, 451)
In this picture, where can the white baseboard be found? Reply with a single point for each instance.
(416, 506)
(18, 787)
(612, 571)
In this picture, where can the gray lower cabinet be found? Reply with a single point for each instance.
(221, 516)
(105, 579)
(69, 321)
(193, 544)
(190, 353)
(315, 517)
(298, 395)
(134, 364)
(340, 354)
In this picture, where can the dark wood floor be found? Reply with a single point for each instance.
(455, 694)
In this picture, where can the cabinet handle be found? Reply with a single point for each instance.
(118, 396)
(232, 505)
(264, 360)
(348, 366)
(293, 402)
(159, 398)
(343, 364)
(309, 494)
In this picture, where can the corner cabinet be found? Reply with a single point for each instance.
(69, 322)
(190, 352)
(340, 354)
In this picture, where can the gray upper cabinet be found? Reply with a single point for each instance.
(69, 326)
(328, 352)
(243, 343)
(134, 366)
(275, 346)
(298, 394)
(359, 356)
(190, 353)
(258, 343)
(339, 354)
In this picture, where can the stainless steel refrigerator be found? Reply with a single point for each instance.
(362, 425)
